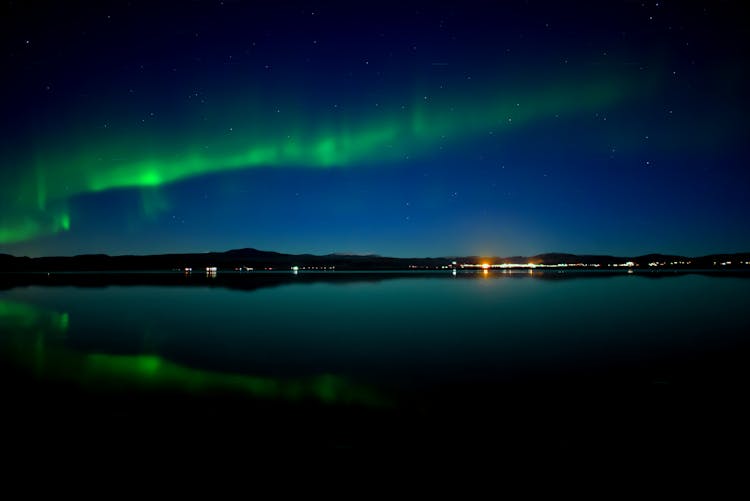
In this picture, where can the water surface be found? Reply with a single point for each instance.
(392, 347)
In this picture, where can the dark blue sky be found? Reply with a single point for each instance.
(406, 129)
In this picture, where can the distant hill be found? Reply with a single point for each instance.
(259, 260)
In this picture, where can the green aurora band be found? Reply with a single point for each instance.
(34, 201)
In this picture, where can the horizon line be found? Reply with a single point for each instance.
(375, 255)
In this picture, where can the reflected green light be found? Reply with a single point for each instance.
(24, 331)
(155, 372)
(28, 341)
(18, 317)
(64, 322)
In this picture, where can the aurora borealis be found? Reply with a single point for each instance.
(411, 129)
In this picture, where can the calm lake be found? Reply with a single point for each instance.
(561, 360)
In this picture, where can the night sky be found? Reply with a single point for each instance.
(404, 129)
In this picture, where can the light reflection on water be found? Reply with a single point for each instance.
(359, 340)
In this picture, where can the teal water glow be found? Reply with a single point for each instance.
(523, 361)
(382, 331)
